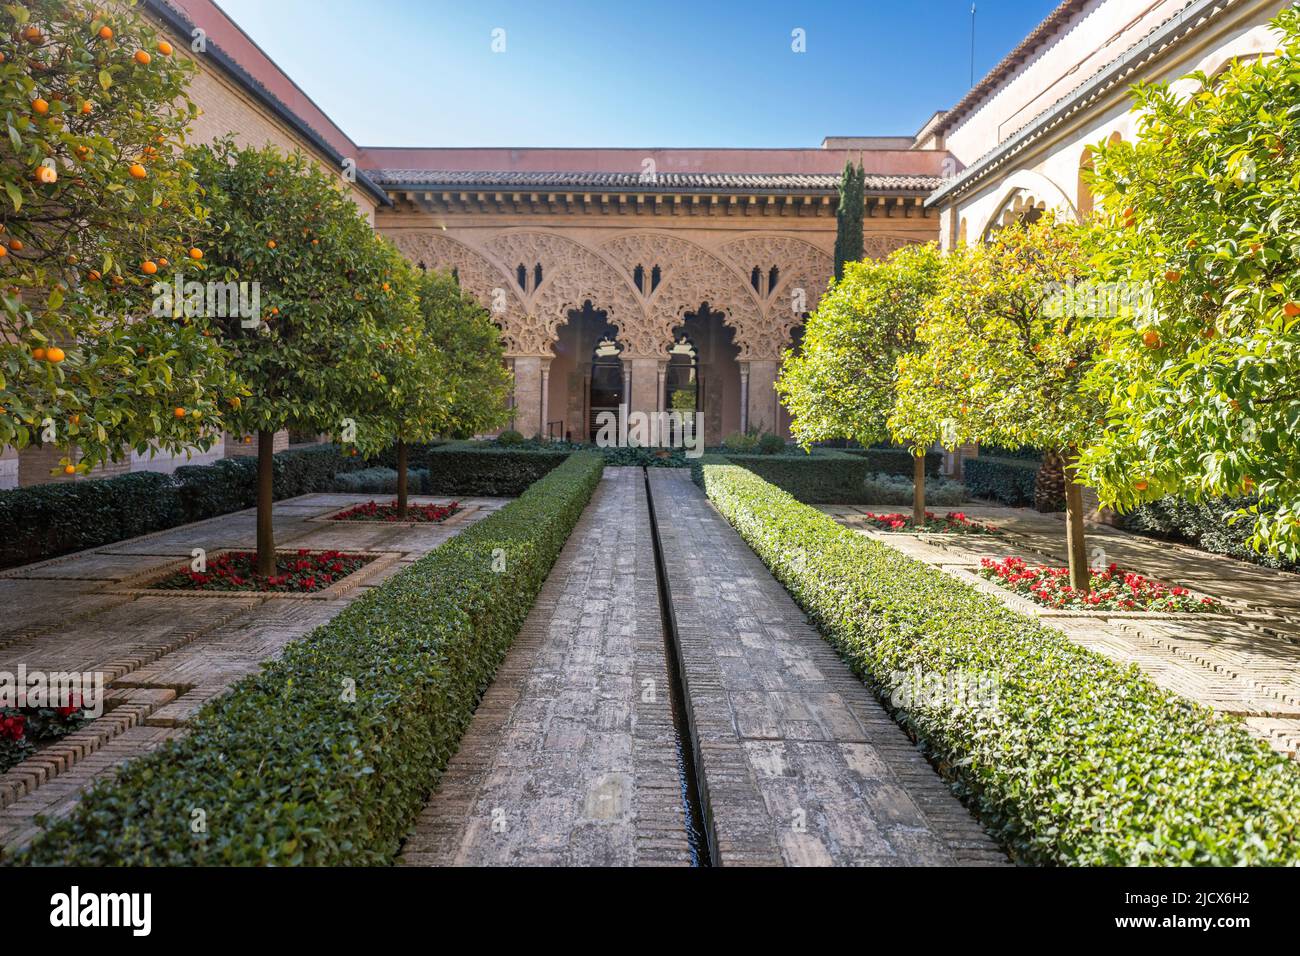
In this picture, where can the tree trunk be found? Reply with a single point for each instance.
(918, 490)
(401, 481)
(265, 501)
(1080, 579)
(1049, 483)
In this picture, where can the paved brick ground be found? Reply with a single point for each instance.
(163, 656)
(571, 756)
(1246, 663)
(800, 764)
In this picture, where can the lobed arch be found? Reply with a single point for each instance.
(1025, 192)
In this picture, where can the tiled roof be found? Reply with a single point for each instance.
(636, 181)
(1040, 35)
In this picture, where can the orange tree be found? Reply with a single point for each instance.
(1007, 343)
(841, 383)
(96, 204)
(1204, 383)
(325, 285)
(442, 369)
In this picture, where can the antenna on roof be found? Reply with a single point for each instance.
(972, 44)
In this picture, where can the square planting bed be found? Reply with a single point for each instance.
(1112, 589)
(951, 522)
(386, 513)
(303, 574)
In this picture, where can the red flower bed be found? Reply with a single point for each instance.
(1112, 589)
(954, 522)
(302, 573)
(22, 729)
(372, 511)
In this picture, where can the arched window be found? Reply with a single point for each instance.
(682, 387)
(1084, 202)
(756, 279)
(773, 277)
(521, 276)
(537, 275)
(606, 383)
(655, 275)
(638, 276)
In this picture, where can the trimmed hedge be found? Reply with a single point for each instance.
(829, 476)
(1081, 761)
(1204, 525)
(897, 461)
(288, 772)
(45, 521)
(379, 481)
(486, 468)
(1008, 481)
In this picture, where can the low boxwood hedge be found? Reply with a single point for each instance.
(1081, 760)
(1008, 481)
(826, 476)
(1204, 525)
(897, 461)
(488, 468)
(285, 769)
(45, 521)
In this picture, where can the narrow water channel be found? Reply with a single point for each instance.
(696, 831)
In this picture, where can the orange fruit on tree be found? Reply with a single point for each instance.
(1291, 309)
(142, 57)
(196, 253)
(106, 33)
(1173, 275)
(33, 35)
(75, 419)
(55, 355)
(164, 48)
(86, 107)
(178, 412)
(38, 353)
(3, 252)
(83, 152)
(1151, 339)
(162, 261)
(270, 243)
(93, 275)
(69, 469)
(46, 175)
(40, 106)
(137, 171)
(1209, 332)
(1140, 485)
(148, 267)
(16, 245)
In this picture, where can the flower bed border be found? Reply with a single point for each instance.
(140, 585)
(452, 520)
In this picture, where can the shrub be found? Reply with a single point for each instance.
(885, 489)
(740, 442)
(646, 457)
(1204, 525)
(367, 481)
(484, 468)
(45, 521)
(1008, 481)
(288, 772)
(769, 444)
(1081, 760)
(510, 437)
(898, 461)
(417, 456)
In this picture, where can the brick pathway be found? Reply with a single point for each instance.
(1246, 663)
(799, 763)
(571, 757)
(163, 656)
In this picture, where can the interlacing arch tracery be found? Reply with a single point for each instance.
(880, 247)
(571, 275)
(481, 278)
(530, 281)
(690, 276)
(801, 269)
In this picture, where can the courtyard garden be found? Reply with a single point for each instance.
(417, 643)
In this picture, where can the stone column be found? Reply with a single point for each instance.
(644, 396)
(744, 396)
(528, 394)
(760, 385)
(663, 385)
(546, 397)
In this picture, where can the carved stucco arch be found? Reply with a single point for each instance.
(803, 269)
(572, 275)
(1024, 190)
(880, 247)
(690, 276)
(480, 277)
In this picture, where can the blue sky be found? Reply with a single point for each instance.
(631, 73)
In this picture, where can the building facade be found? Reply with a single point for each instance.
(648, 279)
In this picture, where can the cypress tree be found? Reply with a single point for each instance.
(848, 217)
